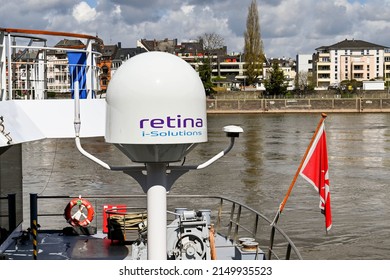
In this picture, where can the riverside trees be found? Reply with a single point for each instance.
(253, 49)
(275, 84)
(212, 42)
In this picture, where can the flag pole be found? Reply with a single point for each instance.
(281, 206)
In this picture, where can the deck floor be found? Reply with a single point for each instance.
(57, 246)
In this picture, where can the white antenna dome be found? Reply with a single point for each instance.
(156, 99)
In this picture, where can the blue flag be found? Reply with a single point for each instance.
(77, 71)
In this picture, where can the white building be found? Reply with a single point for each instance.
(350, 60)
(304, 63)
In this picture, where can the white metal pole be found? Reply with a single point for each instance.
(157, 211)
(76, 96)
(9, 67)
(3, 80)
(88, 71)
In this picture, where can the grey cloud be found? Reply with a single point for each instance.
(287, 27)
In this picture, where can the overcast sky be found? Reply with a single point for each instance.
(288, 27)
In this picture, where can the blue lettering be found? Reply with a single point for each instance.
(171, 122)
(141, 123)
(169, 133)
(157, 123)
(188, 122)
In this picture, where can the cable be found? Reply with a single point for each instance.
(52, 168)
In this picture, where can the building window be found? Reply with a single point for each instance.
(324, 76)
(323, 68)
(346, 59)
(335, 68)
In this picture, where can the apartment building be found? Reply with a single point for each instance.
(227, 69)
(105, 64)
(122, 55)
(166, 45)
(57, 71)
(350, 60)
(304, 63)
(192, 52)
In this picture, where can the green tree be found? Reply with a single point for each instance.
(205, 75)
(211, 43)
(253, 49)
(275, 83)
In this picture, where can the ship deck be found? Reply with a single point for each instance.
(54, 245)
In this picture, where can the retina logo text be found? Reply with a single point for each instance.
(171, 126)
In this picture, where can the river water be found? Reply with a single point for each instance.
(258, 172)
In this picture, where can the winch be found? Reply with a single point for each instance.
(188, 236)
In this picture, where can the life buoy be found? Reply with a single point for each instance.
(79, 218)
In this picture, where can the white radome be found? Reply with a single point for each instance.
(156, 98)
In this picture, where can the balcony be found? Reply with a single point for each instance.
(323, 68)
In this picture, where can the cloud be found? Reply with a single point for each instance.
(83, 13)
(287, 27)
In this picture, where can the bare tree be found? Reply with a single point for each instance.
(253, 49)
(211, 42)
(303, 81)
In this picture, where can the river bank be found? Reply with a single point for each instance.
(306, 105)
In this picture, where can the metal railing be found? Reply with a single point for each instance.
(30, 69)
(231, 218)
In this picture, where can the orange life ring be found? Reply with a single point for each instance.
(75, 219)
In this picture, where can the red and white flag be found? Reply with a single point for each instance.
(315, 171)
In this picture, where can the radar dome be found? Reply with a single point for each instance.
(156, 108)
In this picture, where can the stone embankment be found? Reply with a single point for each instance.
(252, 103)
